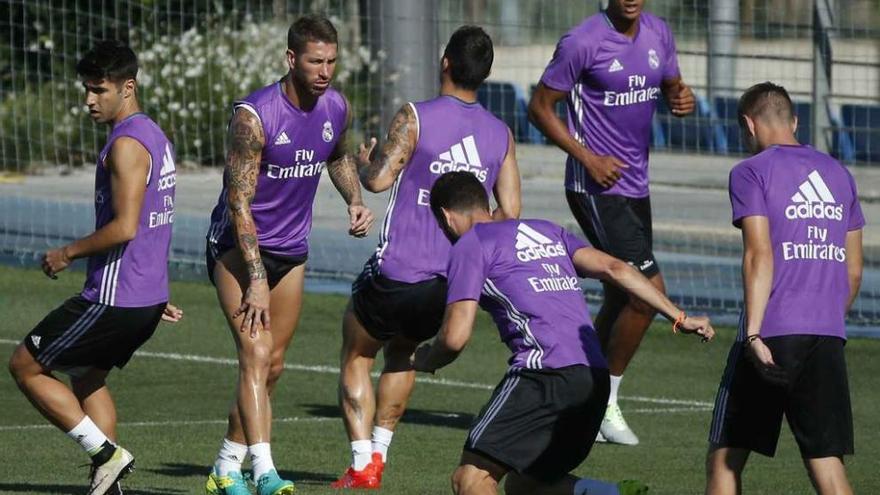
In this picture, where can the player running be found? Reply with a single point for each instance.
(802, 265)
(612, 68)
(398, 301)
(281, 139)
(543, 417)
(126, 289)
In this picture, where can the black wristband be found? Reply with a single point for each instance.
(750, 339)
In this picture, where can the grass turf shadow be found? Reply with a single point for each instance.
(181, 470)
(74, 489)
(427, 417)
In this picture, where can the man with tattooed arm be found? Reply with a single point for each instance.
(399, 299)
(281, 138)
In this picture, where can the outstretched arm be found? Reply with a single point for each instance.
(380, 173)
(591, 262)
(246, 142)
(343, 173)
(458, 324)
(128, 163)
(507, 185)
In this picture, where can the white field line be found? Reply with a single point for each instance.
(136, 424)
(195, 358)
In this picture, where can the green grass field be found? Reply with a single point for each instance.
(173, 398)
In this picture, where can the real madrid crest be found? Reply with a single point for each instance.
(327, 134)
(653, 59)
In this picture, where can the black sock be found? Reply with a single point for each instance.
(103, 455)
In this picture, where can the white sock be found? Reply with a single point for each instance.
(382, 440)
(261, 459)
(586, 486)
(88, 435)
(361, 450)
(615, 384)
(229, 460)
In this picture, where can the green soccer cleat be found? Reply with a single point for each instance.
(632, 487)
(231, 484)
(272, 484)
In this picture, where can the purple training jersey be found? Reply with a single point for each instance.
(453, 136)
(613, 84)
(521, 272)
(135, 273)
(810, 202)
(297, 147)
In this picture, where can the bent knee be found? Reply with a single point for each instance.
(468, 478)
(257, 356)
(275, 371)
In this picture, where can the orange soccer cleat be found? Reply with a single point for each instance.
(368, 478)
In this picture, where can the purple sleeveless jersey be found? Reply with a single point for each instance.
(810, 202)
(135, 273)
(298, 145)
(453, 136)
(521, 272)
(613, 84)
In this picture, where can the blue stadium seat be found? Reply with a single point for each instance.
(862, 124)
(726, 113)
(693, 133)
(507, 102)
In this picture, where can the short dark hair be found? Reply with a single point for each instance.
(311, 27)
(470, 56)
(765, 100)
(112, 60)
(457, 191)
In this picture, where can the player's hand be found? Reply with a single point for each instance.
(605, 170)
(255, 308)
(172, 313)
(361, 220)
(698, 325)
(54, 261)
(419, 359)
(364, 153)
(681, 100)
(761, 357)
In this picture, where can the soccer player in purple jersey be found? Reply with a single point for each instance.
(126, 289)
(543, 417)
(398, 301)
(612, 68)
(801, 224)
(281, 139)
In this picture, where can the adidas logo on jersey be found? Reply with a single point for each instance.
(814, 200)
(282, 139)
(532, 245)
(167, 175)
(616, 66)
(461, 157)
(36, 340)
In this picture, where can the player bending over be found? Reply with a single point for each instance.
(543, 417)
(126, 289)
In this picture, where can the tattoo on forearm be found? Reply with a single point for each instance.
(343, 173)
(242, 169)
(397, 148)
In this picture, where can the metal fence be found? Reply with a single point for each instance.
(197, 56)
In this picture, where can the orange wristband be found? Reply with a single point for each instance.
(678, 321)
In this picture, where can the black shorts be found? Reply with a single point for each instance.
(542, 423)
(748, 410)
(277, 266)
(619, 226)
(387, 308)
(80, 334)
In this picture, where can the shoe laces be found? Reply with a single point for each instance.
(615, 415)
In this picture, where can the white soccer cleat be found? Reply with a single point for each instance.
(105, 476)
(600, 438)
(615, 429)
